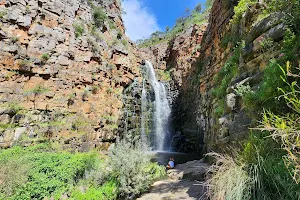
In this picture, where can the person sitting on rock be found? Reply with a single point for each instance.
(171, 164)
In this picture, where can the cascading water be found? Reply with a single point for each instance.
(162, 109)
(144, 110)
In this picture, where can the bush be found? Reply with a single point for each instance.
(99, 16)
(240, 9)
(45, 57)
(107, 191)
(50, 173)
(132, 168)
(13, 174)
(79, 29)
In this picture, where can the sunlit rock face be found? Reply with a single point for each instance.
(64, 70)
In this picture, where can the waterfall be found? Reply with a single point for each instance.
(162, 109)
(144, 110)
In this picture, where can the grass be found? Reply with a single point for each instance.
(229, 179)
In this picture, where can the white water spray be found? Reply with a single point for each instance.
(162, 109)
(144, 110)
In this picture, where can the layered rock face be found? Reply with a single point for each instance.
(176, 57)
(64, 66)
(231, 125)
(202, 120)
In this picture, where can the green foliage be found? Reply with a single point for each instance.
(182, 23)
(229, 179)
(45, 57)
(219, 110)
(13, 107)
(243, 90)
(99, 16)
(164, 75)
(25, 63)
(112, 24)
(124, 42)
(14, 39)
(107, 191)
(266, 95)
(13, 174)
(38, 90)
(132, 168)
(3, 13)
(241, 9)
(229, 39)
(223, 79)
(266, 44)
(79, 28)
(50, 174)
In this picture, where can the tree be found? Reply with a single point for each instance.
(38, 90)
(167, 29)
(198, 8)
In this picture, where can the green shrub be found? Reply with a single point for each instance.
(79, 28)
(3, 13)
(240, 9)
(45, 57)
(99, 16)
(50, 174)
(124, 42)
(107, 191)
(14, 39)
(132, 168)
(13, 174)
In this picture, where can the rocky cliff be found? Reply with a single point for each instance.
(64, 66)
(212, 65)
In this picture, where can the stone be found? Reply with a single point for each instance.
(239, 128)
(64, 61)
(25, 21)
(4, 119)
(19, 132)
(231, 101)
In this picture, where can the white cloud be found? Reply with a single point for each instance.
(139, 22)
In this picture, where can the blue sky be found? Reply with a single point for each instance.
(144, 17)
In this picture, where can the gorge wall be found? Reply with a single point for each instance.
(210, 64)
(64, 66)
(70, 75)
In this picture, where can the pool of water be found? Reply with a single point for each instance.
(163, 157)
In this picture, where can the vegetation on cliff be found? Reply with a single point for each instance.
(196, 16)
(268, 165)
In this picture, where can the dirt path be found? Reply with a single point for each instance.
(183, 182)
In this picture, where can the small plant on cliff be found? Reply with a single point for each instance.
(36, 91)
(45, 57)
(13, 107)
(78, 28)
(14, 39)
(3, 13)
(99, 16)
(242, 7)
